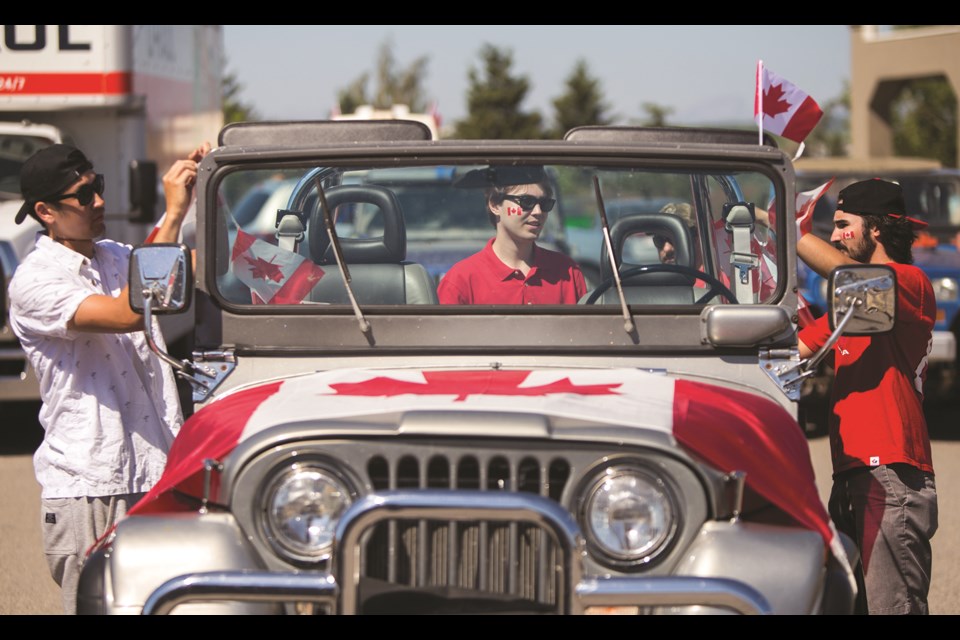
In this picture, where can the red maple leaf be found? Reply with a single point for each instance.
(773, 101)
(466, 383)
(263, 270)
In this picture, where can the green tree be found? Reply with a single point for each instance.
(394, 85)
(582, 104)
(657, 114)
(234, 108)
(924, 117)
(493, 101)
(353, 95)
(924, 121)
(831, 136)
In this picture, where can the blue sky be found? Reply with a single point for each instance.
(704, 73)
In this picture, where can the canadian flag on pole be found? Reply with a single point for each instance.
(782, 108)
(274, 275)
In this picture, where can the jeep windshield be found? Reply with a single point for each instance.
(400, 227)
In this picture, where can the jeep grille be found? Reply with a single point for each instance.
(514, 560)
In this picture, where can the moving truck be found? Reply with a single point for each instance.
(134, 98)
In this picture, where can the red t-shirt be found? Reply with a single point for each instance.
(484, 279)
(878, 389)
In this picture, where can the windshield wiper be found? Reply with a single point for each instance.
(338, 255)
(628, 325)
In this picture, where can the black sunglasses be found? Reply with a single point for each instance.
(527, 203)
(659, 240)
(84, 193)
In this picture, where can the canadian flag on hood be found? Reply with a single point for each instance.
(726, 428)
(274, 275)
(782, 108)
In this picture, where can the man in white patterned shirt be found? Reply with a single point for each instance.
(110, 406)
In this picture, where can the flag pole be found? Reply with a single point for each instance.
(758, 101)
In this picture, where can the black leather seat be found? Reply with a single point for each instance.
(379, 271)
(652, 287)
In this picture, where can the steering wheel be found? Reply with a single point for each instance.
(716, 287)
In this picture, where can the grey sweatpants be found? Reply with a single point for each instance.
(70, 527)
(891, 512)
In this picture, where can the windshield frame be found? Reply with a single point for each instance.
(554, 319)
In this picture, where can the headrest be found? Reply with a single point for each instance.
(651, 223)
(390, 248)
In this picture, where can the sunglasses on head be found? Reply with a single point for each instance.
(527, 203)
(84, 193)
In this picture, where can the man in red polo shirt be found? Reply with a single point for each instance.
(511, 268)
(884, 495)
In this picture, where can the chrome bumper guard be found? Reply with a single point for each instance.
(339, 592)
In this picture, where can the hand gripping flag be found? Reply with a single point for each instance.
(806, 202)
(782, 108)
(274, 275)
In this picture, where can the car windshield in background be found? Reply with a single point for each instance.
(14, 150)
(675, 234)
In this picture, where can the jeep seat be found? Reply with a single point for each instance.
(657, 288)
(379, 271)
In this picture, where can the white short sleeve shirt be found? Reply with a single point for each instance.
(110, 405)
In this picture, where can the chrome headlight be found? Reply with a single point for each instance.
(630, 516)
(302, 506)
(945, 289)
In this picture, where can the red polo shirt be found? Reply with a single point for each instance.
(483, 279)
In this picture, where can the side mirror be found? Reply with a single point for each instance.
(143, 191)
(161, 276)
(862, 301)
(868, 293)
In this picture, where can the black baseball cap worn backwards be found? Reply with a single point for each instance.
(48, 172)
(876, 197)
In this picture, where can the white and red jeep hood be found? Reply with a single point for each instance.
(729, 429)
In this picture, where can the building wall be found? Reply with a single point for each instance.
(880, 64)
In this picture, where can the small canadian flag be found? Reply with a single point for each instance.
(805, 203)
(274, 275)
(782, 108)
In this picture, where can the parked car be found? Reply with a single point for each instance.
(359, 448)
(932, 194)
(17, 380)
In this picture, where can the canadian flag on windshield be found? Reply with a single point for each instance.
(274, 275)
(782, 108)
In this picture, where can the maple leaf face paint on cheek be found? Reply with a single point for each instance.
(514, 211)
(847, 235)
